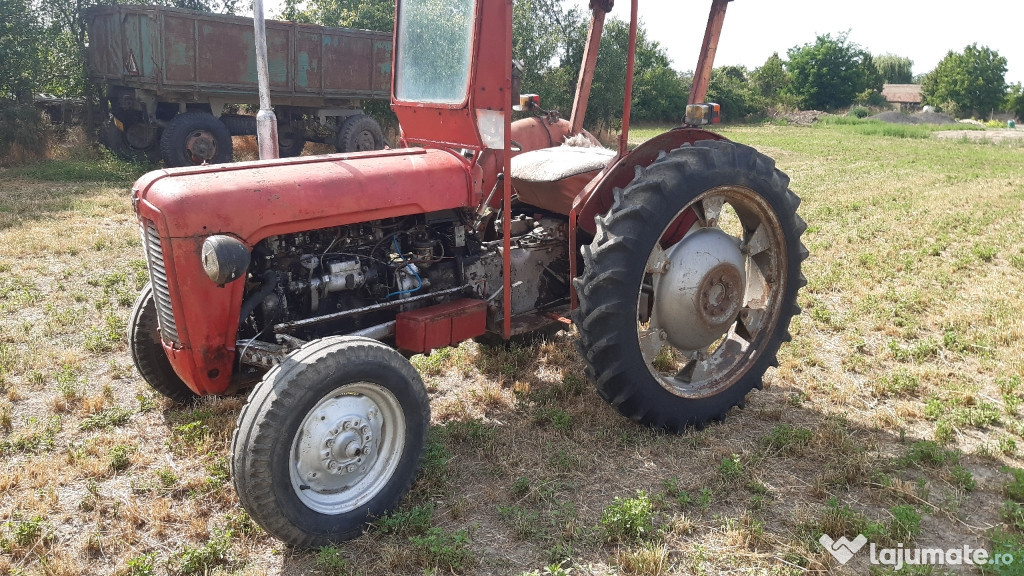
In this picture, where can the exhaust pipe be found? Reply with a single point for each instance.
(266, 121)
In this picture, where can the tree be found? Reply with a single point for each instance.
(830, 73)
(20, 62)
(659, 92)
(1015, 100)
(968, 83)
(895, 69)
(770, 78)
(730, 88)
(362, 14)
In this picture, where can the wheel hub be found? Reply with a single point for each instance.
(201, 145)
(701, 291)
(365, 141)
(140, 136)
(337, 444)
(348, 447)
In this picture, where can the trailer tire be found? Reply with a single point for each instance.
(115, 140)
(195, 138)
(330, 439)
(360, 133)
(148, 354)
(684, 303)
(290, 141)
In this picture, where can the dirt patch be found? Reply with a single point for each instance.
(893, 117)
(802, 117)
(994, 136)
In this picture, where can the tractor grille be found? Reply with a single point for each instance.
(158, 278)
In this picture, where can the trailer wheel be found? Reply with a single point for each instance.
(148, 354)
(330, 439)
(360, 133)
(139, 143)
(290, 141)
(690, 284)
(195, 138)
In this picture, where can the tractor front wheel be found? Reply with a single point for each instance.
(690, 284)
(330, 439)
(148, 354)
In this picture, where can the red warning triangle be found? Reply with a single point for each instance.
(130, 65)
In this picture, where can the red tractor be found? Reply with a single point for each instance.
(314, 278)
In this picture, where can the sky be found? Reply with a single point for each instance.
(922, 31)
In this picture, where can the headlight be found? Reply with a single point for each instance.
(225, 259)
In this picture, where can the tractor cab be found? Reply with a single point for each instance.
(453, 69)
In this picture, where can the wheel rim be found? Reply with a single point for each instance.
(711, 292)
(347, 448)
(200, 146)
(365, 141)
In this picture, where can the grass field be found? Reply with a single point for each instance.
(895, 412)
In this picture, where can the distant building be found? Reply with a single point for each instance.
(908, 96)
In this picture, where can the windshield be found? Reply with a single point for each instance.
(434, 43)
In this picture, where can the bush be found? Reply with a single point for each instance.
(20, 129)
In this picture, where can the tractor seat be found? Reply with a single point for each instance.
(550, 178)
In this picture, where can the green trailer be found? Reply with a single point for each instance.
(175, 81)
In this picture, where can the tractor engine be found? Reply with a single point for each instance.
(354, 278)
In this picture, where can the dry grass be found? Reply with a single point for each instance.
(911, 331)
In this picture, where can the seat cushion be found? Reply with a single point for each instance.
(550, 178)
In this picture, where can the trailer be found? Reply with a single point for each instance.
(176, 81)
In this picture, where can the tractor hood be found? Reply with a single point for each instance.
(179, 208)
(254, 200)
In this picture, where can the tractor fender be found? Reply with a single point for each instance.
(180, 207)
(597, 197)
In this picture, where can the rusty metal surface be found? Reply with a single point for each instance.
(706, 61)
(586, 77)
(170, 50)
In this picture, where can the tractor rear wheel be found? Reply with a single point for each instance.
(195, 138)
(148, 354)
(690, 284)
(330, 439)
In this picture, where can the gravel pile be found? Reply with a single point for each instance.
(917, 118)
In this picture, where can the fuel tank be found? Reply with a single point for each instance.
(179, 208)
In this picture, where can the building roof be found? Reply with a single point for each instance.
(902, 93)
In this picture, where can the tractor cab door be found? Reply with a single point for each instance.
(452, 72)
